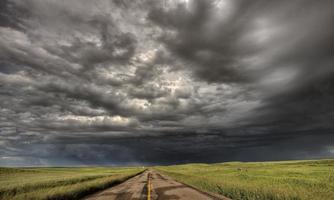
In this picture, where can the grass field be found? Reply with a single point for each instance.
(289, 180)
(58, 183)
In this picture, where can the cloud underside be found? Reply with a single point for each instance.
(142, 82)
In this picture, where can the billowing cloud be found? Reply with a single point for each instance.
(150, 82)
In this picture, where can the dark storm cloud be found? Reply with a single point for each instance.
(194, 42)
(220, 43)
(158, 82)
(171, 149)
(298, 51)
(306, 107)
(8, 15)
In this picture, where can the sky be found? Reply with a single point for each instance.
(158, 82)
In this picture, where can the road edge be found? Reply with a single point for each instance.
(112, 184)
(213, 195)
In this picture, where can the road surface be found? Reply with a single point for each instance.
(151, 185)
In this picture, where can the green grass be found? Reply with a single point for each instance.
(288, 180)
(59, 183)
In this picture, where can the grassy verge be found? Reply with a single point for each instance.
(289, 180)
(58, 183)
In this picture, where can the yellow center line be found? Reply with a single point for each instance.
(148, 187)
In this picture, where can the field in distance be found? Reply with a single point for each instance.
(288, 180)
(59, 183)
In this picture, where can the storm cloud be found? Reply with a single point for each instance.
(117, 82)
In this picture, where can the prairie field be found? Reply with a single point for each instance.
(59, 183)
(287, 180)
(284, 180)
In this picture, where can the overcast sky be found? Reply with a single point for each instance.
(124, 82)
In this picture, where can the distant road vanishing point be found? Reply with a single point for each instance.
(151, 185)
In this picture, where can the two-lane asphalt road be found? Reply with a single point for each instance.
(151, 185)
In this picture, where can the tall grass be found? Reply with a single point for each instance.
(58, 183)
(289, 180)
